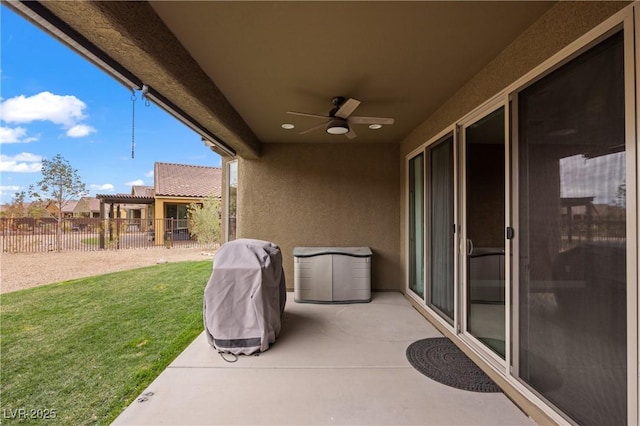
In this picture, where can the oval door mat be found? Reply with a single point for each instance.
(441, 360)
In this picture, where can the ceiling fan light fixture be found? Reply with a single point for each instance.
(337, 127)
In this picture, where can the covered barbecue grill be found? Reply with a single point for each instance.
(245, 297)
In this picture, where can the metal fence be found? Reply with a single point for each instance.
(24, 235)
(575, 233)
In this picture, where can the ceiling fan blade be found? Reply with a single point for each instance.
(319, 126)
(351, 134)
(370, 120)
(305, 114)
(347, 108)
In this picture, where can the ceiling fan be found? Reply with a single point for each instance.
(339, 118)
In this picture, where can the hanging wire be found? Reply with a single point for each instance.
(133, 124)
(143, 92)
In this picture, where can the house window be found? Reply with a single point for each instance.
(177, 216)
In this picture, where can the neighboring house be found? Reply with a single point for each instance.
(68, 208)
(26, 217)
(29, 209)
(87, 207)
(163, 208)
(508, 116)
(176, 187)
(140, 214)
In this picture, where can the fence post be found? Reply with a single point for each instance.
(101, 230)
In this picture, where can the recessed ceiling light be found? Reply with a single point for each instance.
(338, 126)
(375, 126)
(288, 126)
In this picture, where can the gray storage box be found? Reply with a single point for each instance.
(332, 274)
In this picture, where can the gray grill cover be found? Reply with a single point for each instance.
(245, 297)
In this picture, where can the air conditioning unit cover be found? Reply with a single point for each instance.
(245, 297)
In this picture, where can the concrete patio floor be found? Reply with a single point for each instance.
(332, 364)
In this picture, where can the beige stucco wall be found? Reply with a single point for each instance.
(339, 194)
(562, 24)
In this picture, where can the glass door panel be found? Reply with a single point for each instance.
(572, 245)
(484, 196)
(441, 228)
(232, 199)
(416, 225)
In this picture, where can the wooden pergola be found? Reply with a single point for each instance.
(117, 200)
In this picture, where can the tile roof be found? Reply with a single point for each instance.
(142, 191)
(182, 180)
(90, 204)
(94, 204)
(69, 206)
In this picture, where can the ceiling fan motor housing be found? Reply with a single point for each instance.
(337, 101)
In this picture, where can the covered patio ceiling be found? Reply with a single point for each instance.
(232, 70)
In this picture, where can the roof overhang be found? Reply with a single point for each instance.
(139, 62)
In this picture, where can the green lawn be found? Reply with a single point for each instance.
(82, 350)
(92, 241)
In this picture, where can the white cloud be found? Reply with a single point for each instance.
(9, 191)
(136, 182)
(24, 162)
(12, 135)
(4, 189)
(15, 135)
(25, 156)
(104, 187)
(80, 130)
(64, 110)
(149, 174)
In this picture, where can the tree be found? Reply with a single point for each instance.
(205, 220)
(621, 195)
(60, 184)
(17, 208)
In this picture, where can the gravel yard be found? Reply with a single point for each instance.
(24, 270)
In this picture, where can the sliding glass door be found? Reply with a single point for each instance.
(432, 226)
(572, 236)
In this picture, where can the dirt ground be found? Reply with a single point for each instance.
(24, 270)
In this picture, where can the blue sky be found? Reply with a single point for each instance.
(53, 101)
